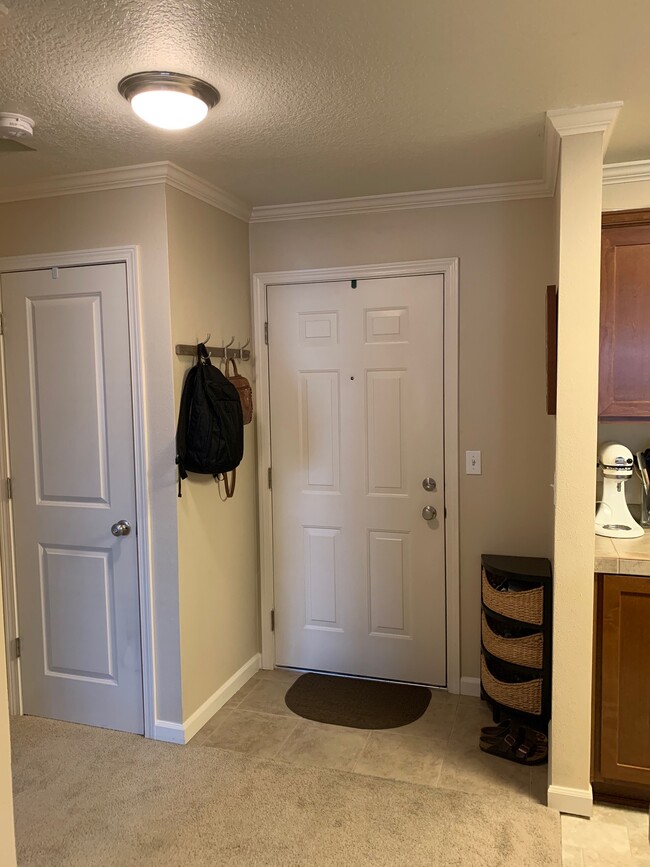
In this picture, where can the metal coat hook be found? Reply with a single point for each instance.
(224, 351)
(226, 347)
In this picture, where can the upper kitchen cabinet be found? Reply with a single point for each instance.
(625, 316)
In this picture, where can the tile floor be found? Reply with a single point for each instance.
(439, 749)
(613, 836)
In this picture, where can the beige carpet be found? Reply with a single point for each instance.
(90, 797)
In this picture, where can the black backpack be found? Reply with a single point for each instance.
(210, 432)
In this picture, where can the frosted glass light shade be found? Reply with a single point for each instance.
(169, 100)
(169, 109)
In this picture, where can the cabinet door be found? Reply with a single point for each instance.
(625, 696)
(625, 321)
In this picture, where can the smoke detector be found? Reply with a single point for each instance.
(16, 130)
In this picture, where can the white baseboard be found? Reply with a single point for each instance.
(172, 733)
(199, 718)
(470, 686)
(579, 802)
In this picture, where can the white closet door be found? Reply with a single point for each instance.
(356, 395)
(72, 463)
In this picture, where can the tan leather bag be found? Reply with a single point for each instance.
(243, 386)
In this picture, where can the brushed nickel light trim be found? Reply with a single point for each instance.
(141, 82)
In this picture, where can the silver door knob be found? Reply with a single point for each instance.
(429, 513)
(122, 528)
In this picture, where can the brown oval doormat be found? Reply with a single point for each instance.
(359, 704)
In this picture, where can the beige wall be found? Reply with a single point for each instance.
(7, 842)
(126, 217)
(579, 191)
(506, 260)
(217, 541)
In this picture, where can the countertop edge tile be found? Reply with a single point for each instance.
(606, 564)
(623, 556)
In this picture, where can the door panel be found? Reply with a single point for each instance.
(72, 460)
(356, 395)
(625, 687)
(78, 613)
(385, 441)
(624, 389)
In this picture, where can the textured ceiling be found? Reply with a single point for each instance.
(324, 98)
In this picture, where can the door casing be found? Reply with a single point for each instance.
(129, 257)
(448, 268)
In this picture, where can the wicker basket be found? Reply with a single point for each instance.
(525, 605)
(526, 650)
(525, 697)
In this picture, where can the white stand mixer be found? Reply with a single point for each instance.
(613, 517)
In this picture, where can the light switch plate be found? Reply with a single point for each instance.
(473, 463)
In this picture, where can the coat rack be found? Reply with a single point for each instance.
(240, 351)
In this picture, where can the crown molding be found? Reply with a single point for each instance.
(626, 173)
(559, 123)
(401, 201)
(572, 121)
(195, 186)
(87, 182)
(142, 175)
(506, 192)
(585, 119)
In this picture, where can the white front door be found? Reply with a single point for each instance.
(72, 464)
(356, 396)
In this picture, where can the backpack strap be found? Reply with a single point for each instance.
(230, 485)
(181, 430)
(227, 483)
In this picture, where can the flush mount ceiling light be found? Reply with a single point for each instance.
(169, 100)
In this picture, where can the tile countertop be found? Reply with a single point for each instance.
(623, 556)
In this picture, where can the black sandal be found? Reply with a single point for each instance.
(497, 731)
(519, 745)
(492, 733)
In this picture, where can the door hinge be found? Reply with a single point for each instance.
(272, 619)
(270, 475)
(17, 648)
(10, 489)
(266, 333)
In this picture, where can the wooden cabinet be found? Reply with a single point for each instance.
(625, 316)
(622, 687)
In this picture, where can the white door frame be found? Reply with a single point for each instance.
(102, 256)
(448, 268)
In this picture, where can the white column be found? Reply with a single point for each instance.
(583, 134)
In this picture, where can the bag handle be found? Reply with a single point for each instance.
(230, 361)
(227, 483)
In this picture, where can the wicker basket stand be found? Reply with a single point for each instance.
(516, 635)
